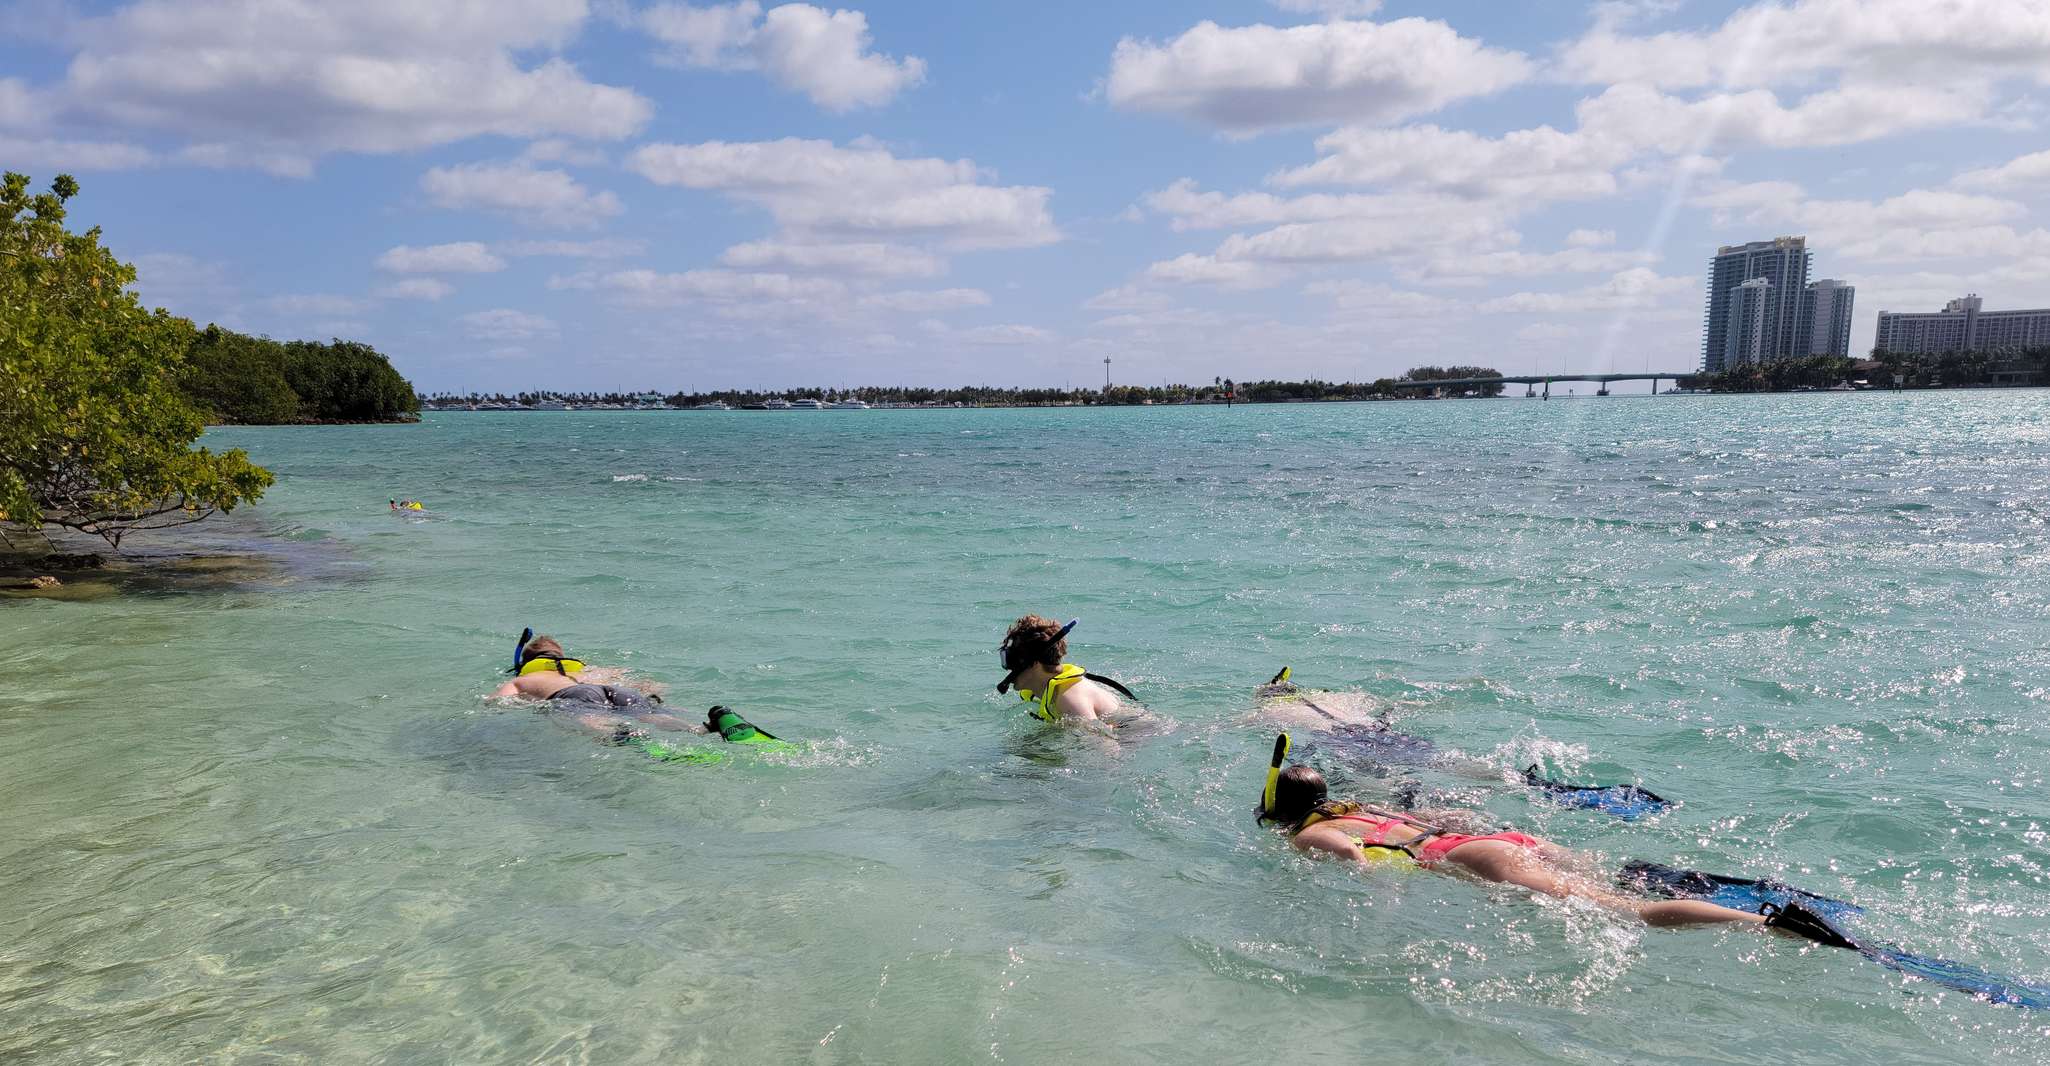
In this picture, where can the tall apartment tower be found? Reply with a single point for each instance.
(1783, 263)
(1745, 324)
(1824, 319)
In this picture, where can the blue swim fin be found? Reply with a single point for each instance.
(1972, 981)
(1628, 802)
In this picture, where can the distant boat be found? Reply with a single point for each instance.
(549, 405)
(715, 405)
(807, 404)
(777, 404)
(848, 405)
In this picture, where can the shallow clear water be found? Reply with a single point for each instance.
(259, 810)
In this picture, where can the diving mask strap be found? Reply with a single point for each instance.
(1281, 744)
(1011, 678)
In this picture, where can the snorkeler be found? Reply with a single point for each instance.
(1298, 801)
(407, 505)
(1353, 725)
(544, 671)
(1034, 655)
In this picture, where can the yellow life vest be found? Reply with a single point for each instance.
(1059, 683)
(1378, 854)
(549, 662)
(414, 505)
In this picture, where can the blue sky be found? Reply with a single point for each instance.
(570, 194)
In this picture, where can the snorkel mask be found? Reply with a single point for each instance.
(1281, 746)
(1014, 663)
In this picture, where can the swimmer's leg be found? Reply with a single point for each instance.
(1505, 863)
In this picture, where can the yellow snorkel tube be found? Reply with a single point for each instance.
(1281, 745)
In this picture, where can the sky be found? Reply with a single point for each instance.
(608, 194)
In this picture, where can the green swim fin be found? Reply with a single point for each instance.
(728, 723)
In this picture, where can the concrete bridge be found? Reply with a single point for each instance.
(1533, 380)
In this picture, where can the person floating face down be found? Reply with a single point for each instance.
(1298, 802)
(547, 672)
(1034, 654)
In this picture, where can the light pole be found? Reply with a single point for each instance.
(1106, 373)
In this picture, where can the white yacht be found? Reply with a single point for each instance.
(807, 404)
(777, 404)
(847, 405)
(715, 405)
(550, 405)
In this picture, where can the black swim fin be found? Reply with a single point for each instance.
(1802, 922)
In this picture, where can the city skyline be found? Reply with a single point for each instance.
(626, 195)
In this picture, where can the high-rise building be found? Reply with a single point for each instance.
(1824, 319)
(1745, 323)
(1962, 326)
(1783, 262)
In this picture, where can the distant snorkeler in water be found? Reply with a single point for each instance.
(1297, 800)
(544, 671)
(407, 505)
(1364, 734)
(1034, 657)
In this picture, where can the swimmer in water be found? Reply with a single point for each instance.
(407, 505)
(546, 672)
(1298, 801)
(1034, 655)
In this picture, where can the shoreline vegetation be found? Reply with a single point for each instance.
(107, 397)
(2006, 368)
(1219, 391)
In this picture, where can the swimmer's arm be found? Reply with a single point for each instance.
(1318, 840)
(510, 688)
(1076, 705)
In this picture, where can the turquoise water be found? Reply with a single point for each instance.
(261, 812)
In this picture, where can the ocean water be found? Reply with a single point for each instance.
(254, 806)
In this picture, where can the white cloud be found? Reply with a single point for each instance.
(1590, 238)
(1128, 298)
(1381, 301)
(460, 257)
(542, 197)
(1001, 335)
(1916, 225)
(869, 259)
(262, 83)
(818, 187)
(1474, 267)
(1532, 164)
(823, 54)
(505, 324)
(648, 288)
(1635, 289)
(557, 150)
(1334, 9)
(23, 153)
(602, 248)
(1190, 208)
(416, 289)
(1249, 79)
(1192, 269)
(318, 303)
(1892, 41)
(926, 301)
(2023, 172)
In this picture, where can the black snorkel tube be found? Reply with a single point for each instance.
(1274, 765)
(520, 650)
(1005, 654)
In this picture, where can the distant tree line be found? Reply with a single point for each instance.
(1220, 390)
(238, 379)
(2003, 366)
